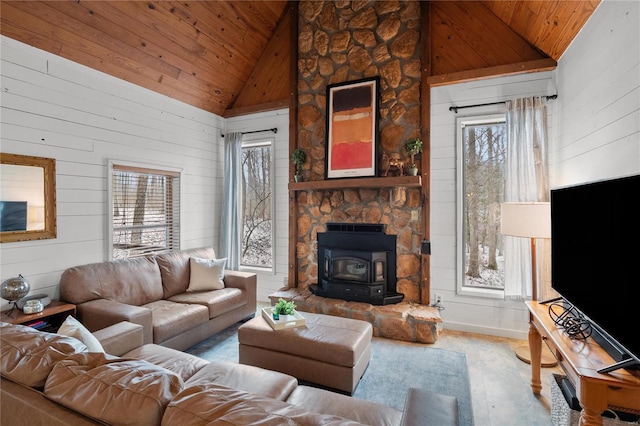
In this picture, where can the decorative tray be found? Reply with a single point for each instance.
(285, 321)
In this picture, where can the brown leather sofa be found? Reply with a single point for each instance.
(152, 292)
(52, 379)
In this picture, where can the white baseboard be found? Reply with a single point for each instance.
(512, 334)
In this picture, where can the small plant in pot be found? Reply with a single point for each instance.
(283, 307)
(413, 147)
(298, 157)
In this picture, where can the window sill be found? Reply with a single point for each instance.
(256, 269)
(482, 292)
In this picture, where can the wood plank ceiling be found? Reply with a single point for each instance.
(233, 57)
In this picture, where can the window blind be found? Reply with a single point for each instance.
(146, 206)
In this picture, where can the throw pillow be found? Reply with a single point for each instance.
(73, 328)
(206, 274)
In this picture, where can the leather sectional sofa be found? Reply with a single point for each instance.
(52, 379)
(152, 292)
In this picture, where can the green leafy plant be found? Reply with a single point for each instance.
(284, 308)
(298, 157)
(413, 147)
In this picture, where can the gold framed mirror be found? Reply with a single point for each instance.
(27, 198)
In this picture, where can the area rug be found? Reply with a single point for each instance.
(395, 367)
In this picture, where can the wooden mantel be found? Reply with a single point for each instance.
(371, 182)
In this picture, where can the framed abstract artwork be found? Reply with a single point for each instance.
(352, 128)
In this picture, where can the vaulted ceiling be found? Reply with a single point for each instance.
(234, 57)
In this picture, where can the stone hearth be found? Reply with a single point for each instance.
(406, 321)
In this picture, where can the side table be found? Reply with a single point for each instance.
(48, 320)
(580, 360)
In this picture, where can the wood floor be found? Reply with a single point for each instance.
(500, 382)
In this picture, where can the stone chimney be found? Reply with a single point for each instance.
(341, 41)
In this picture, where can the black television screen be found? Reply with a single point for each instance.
(13, 216)
(595, 258)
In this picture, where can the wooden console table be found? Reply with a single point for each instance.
(580, 360)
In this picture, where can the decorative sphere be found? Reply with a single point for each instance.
(14, 288)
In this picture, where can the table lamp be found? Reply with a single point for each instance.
(528, 220)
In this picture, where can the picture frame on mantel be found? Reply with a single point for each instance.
(352, 128)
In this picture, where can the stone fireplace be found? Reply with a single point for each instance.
(346, 41)
(357, 262)
(340, 42)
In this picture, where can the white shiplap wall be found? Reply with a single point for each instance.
(271, 281)
(599, 110)
(51, 107)
(468, 313)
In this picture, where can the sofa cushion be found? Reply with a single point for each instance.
(73, 328)
(170, 319)
(25, 406)
(183, 364)
(27, 355)
(258, 381)
(359, 410)
(132, 281)
(218, 302)
(215, 404)
(131, 392)
(175, 269)
(206, 274)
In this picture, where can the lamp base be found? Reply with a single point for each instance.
(546, 360)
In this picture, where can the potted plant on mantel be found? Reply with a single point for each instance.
(298, 157)
(413, 147)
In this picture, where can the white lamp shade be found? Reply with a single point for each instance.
(529, 220)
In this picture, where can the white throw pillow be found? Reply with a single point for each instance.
(73, 328)
(206, 274)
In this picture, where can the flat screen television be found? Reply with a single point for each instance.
(595, 261)
(13, 216)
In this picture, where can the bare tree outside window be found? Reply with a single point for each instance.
(257, 208)
(483, 151)
(145, 213)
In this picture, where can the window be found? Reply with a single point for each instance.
(257, 206)
(145, 211)
(481, 155)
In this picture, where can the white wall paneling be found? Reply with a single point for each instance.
(468, 313)
(51, 107)
(599, 110)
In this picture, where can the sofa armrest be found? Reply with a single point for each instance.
(429, 408)
(120, 338)
(100, 313)
(247, 281)
(239, 279)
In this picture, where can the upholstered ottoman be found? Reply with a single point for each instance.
(329, 351)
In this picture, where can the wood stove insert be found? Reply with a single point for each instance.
(357, 262)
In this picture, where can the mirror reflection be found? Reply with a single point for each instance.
(27, 198)
(22, 198)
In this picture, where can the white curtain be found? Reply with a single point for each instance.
(231, 214)
(526, 180)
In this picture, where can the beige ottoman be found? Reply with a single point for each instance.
(329, 351)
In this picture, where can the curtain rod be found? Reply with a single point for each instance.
(456, 108)
(274, 130)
